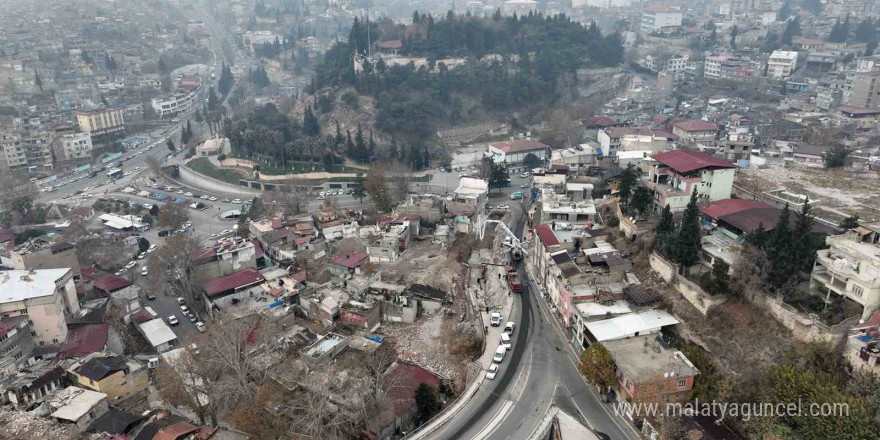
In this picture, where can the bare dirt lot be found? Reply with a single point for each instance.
(837, 190)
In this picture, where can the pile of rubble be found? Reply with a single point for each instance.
(16, 425)
(424, 343)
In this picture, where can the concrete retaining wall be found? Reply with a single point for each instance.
(695, 295)
(804, 327)
(190, 177)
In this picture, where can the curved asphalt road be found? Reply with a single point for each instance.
(540, 370)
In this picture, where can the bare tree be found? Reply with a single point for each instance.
(171, 268)
(287, 201)
(401, 176)
(172, 215)
(377, 187)
(187, 381)
(153, 165)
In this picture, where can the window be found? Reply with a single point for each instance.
(858, 291)
(23, 311)
(42, 343)
(33, 333)
(682, 383)
(54, 341)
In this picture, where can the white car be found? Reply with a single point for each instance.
(188, 194)
(212, 198)
(236, 201)
(180, 300)
(172, 320)
(184, 309)
(131, 264)
(144, 271)
(179, 192)
(225, 231)
(524, 185)
(201, 326)
(213, 235)
(152, 248)
(142, 255)
(119, 273)
(508, 328)
(492, 372)
(495, 319)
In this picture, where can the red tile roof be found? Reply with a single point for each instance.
(232, 281)
(175, 431)
(104, 281)
(720, 208)
(695, 125)
(599, 121)
(7, 324)
(518, 145)
(141, 317)
(546, 235)
(403, 380)
(350, 259)
(82, 341)
(659, 119)
(685, 161)
(299, 276)
(302, 240)
(662, 8)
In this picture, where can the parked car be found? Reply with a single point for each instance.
(493, 370)
(201, 326)
(508, 328)
(151, 297)
(180, 300)
(499, 354)
(172, 320)
(142, 255)
(184, 309)
(495, 319)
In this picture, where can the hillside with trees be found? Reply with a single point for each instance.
(512, 64)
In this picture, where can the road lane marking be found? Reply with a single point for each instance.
(490, 427)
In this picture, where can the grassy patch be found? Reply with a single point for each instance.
(203, 165)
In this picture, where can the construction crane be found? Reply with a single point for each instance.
(515, 245)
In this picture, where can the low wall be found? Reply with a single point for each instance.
(695, 295)
(662, 266)
(804, 327)
(701, 300)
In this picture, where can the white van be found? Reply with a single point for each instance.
(505, 341)
(499, 354)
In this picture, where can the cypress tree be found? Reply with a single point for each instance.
(687, 246)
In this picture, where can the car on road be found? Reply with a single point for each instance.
(152, 248)
(236, 201)
(119, 272)
(180, 300)
(226, 200)
(184, 309)
(179, 192)
(142, 255)
(130, 264)
(144, 271)
(492, 371)
(214, 236)
(495, 319)
(505, 341)
(508, 328)
(172, 320)
(524, 185)
(212, 198)
(499, 354)
(201, 326)
(188, 194)
(192, 318)
(151, 297)
(225, 232)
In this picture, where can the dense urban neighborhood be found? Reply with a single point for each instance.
(440, 220)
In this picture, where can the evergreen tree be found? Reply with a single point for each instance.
(792, 29)
(759, 237)
(360, 144)
(628, 181)
(814, 6)
(802, 240)
(393, 150)
(338, 139)
(840, 31)
(687, 244)
(779, 250)
(664, 233)
(311, 126)
(371, 146)
(866, 31)
(850, 222)
(733, 34)
(349, 145)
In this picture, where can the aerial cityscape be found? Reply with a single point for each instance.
(440, 220)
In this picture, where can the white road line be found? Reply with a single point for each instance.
(487, 430)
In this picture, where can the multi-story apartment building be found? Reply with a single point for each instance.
(727, 67)
(16, 341)
(14, 157)
(77, 146)
(38, 151)
(865, 90)
(34, 255)
(695, 130)
(673, 176)
(46, 297)
(781, 64)
(180, 102)
(850, 267)
(102, 121)
(661, 19)
(225, 258)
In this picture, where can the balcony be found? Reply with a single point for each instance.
(830, 282)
